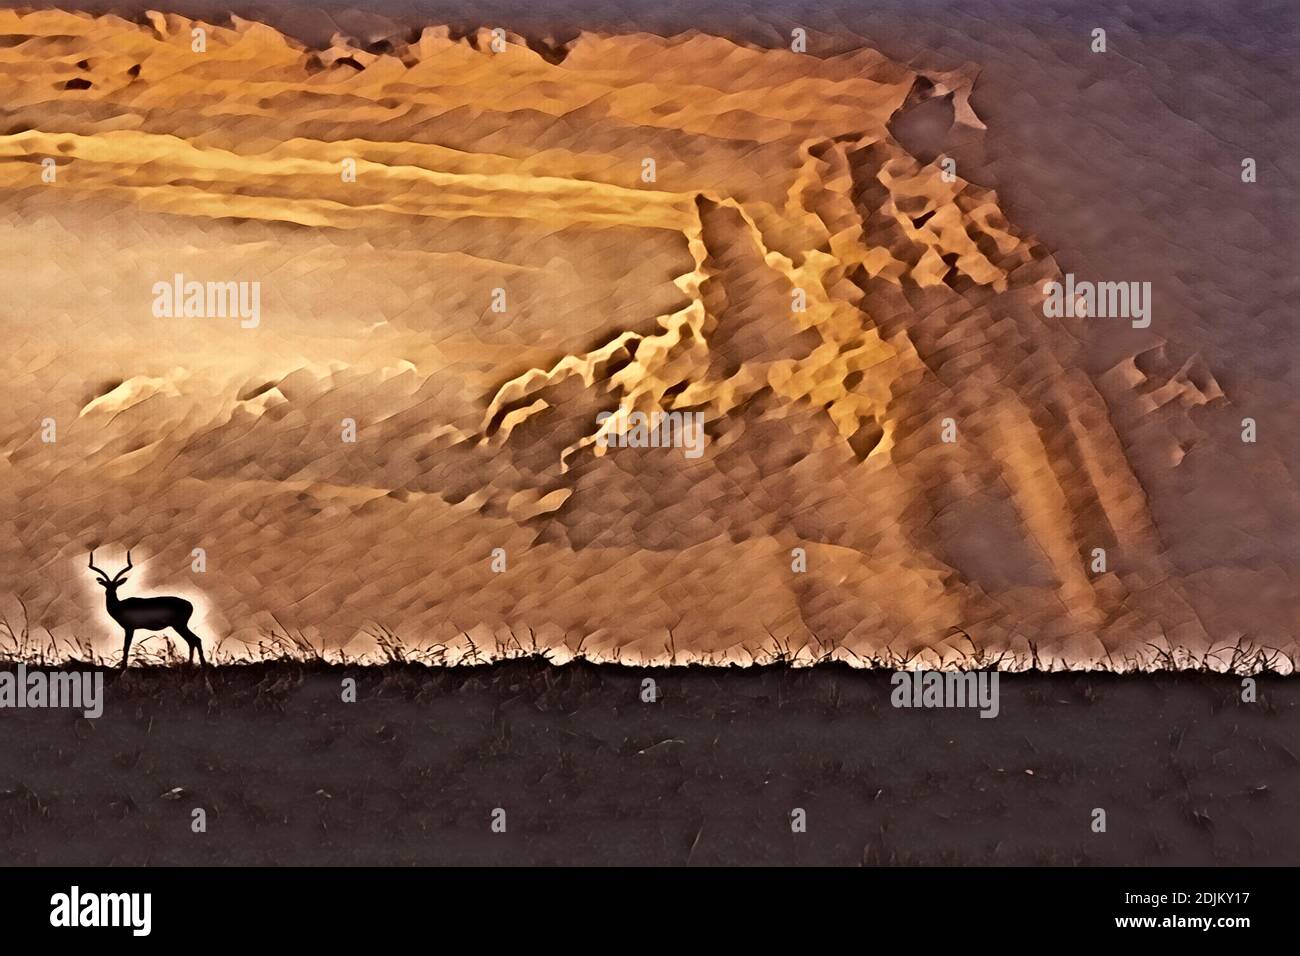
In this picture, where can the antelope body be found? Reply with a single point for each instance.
(146, 614)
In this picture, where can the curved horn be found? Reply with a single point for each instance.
(102, 575)
(118, 577)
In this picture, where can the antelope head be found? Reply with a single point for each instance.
(104, 581)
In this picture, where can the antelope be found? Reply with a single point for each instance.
(146, 614)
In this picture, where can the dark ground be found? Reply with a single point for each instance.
(589, 774)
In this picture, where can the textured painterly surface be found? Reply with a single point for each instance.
(522, 170)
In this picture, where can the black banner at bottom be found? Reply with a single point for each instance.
(334, 906)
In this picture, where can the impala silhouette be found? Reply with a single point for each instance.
(146, 614)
